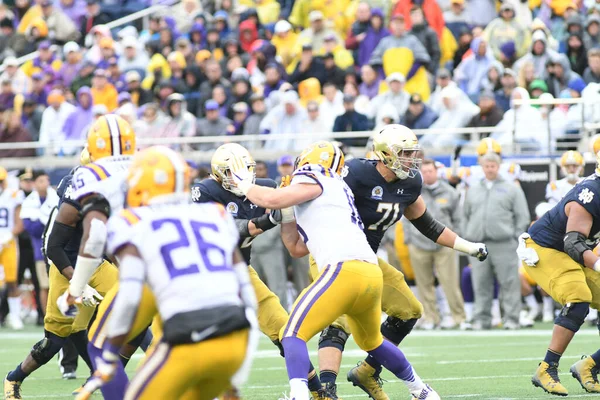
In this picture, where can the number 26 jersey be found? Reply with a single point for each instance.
(380, 204)
(187, 251)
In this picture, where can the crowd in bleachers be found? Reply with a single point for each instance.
(236, 67)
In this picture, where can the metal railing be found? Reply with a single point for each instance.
(113, 24)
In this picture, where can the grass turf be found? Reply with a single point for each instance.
(459, 365)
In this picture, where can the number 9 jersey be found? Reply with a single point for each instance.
(10, 199)
(380, 204)
(186, 249)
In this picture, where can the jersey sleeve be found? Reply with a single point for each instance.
(120, 230)
(201, 193)
(588, 196)
(306, 174)
(350, 176)
(85, 182)
(18, 197)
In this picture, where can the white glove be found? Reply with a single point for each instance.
(477, 250)
(526, 254)
(90, 297)
(66, 305)
(242, 178)
(287, 215)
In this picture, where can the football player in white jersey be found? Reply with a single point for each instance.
(571, 167)
(10, 227)
(187, 254)
(324, 221)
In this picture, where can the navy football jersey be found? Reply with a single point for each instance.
(549, 231)
(238, 207)
(65, 190)
(380, 204)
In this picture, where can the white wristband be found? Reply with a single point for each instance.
(287, 215)
(597, 265)
(464, 246)
(245, 187)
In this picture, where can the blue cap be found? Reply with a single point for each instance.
(211, 105)
(577, 85)
(285, 160)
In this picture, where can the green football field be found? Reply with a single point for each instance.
(459, 365)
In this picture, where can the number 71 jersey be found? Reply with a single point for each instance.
(187, 251)
(380, 204)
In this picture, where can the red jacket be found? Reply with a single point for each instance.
(432, 11)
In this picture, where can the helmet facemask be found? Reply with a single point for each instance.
(224, 175)
(405, 162)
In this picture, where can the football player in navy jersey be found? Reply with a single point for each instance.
(384, 190)
(251, 221)
(557, 253)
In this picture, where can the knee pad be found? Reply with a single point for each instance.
(44, 350)
(279, 346)
(572, 316)
(395, 330)
(333, 337)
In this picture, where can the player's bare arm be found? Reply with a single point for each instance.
(579, 224)
(292, 240)
(418, 215)
(18, 228)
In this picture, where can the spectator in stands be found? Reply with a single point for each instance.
(214, 75)
(418, 115)
(503, 95)
(273, 80)
(103, 92)
(21, 83)
(489, 113)
(74, 9)
(464, 46)
(73, 61)
(591, 36)
(471, 72)
(427, 37)
(212, 125)
(592, 72)
(32, 117)
(133, 58)
(12, 43)
(370, 82)
(61, 28)
(576, 53)
(248, 34)
(115, 77)
(432, 10)
(400, 38)
(456, 112)
(285, 41)
(396, 95)
(358, 29)
(152, 123)
(184, 13)
(539, 54)
(315, 123)
(180, 122)
(443, 79)
(560, 75)
(369, 40)
(84, 77)
(351, 121)
(76, 123)
(139, 96)
(93, 16)
(495, 212)
(308, 67)
(431, 261)
(389, 115)
(53, 120)
(331, 105)
(287, 117)
(526, 75)
(317, 32)
(457, 17)
(240, 112)
(507, 28)
(38, 89)
(524, 123)
(13, 131)
(493, 76)
(45, 59)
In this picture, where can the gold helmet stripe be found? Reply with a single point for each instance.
(337, 158)
(115, 134)
(179, 168)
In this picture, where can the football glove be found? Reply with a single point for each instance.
(241, 176)
(477, 250)
(67, 304)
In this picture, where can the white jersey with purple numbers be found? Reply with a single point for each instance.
(330, 225)
(106, 177)
(187, 250)
(10, 199)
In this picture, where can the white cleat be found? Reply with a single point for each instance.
(548, 316)
(425, 394)
(15, 322)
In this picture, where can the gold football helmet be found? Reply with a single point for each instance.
(156, 171)
(572, 164)
(322, 153)
(595, 141)
(219, 165)
(110, 135)
(488, 145)
(397, 147)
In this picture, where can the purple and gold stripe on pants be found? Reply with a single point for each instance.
(148, 371)
(309, 298)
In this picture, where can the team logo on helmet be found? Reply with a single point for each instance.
(100, 143)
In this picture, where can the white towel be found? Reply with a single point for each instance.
(527, 255)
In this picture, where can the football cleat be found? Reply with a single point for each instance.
(12, 389)
(231, 394)
(364, 376)
(327, 392)
(425, 394)
(546, 377)
(586, 373)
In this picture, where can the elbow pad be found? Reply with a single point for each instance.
(58, 239)
(94, 246)
(575, 246)
(429, 226)
(97, 203)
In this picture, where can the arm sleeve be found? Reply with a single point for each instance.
(60, 235)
